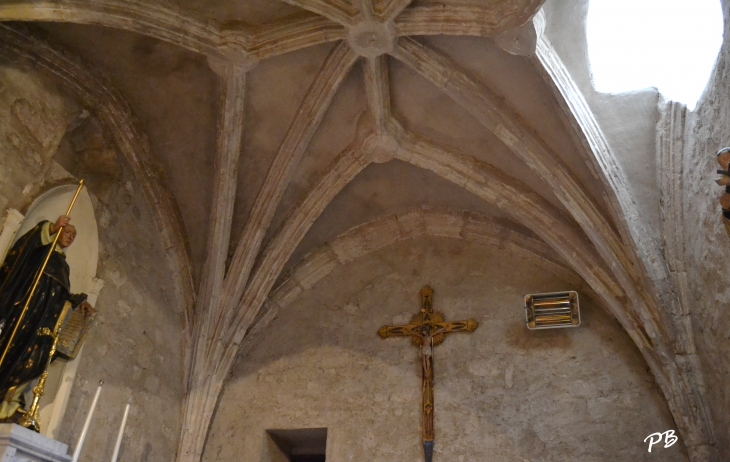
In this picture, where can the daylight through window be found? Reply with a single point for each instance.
(668, 44)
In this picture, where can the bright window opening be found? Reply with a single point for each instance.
(668, 44)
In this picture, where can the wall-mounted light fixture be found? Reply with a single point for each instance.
(552, 310)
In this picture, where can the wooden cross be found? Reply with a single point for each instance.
(427, 330)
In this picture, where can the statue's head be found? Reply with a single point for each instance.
(723, 158)
(67, 236)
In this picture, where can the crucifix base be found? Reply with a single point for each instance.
(428, 450)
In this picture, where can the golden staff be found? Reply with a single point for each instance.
(38, 277)
(31, 419)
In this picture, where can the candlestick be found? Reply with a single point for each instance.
(121, 433)
(86, 425)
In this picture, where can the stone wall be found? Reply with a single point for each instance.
(707, 243)
(626, 119)
(33, 120)
(135, 346)
(502, 393)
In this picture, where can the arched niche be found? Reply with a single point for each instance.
(82, 258)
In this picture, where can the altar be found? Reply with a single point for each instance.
(18, 444)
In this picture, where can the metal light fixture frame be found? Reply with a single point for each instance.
(552, 310)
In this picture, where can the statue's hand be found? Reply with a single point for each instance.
(87, 309)
(60, 223)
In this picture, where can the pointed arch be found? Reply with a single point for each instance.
(93, 89)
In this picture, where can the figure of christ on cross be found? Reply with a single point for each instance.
(427, 330)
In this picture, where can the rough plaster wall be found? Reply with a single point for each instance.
(234, 13)
(502, 393)
(516, 79)
(707, 244)
(33, 120)
(336, 132)
(628, 120)
(383, 189)
(432, 114)
(274, 90)
(174, 94)
(135, 345)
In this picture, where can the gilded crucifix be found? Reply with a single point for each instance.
(427, 330)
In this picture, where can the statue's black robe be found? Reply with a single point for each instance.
(28, 355)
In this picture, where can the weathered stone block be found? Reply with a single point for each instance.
(349, 246)
(446, 224)
(18, 444)
(411, 224)
(41, 125)
(314, 267)
(380, 233)
(286, 293)
(481, 229)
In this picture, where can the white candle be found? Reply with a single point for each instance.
(121, 433)
(86, 425)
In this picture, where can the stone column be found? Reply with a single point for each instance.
(96, 286)
(12, 222)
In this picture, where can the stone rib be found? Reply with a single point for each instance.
(475, 20)
(670, 161)
(392, 9)
(289, 34)
(347, 165)
(230, 128)
(670, 148)
(526, 207)
(499, 118)
(366, 9)
(307, 119)
(673, 373)
(224, 195)
(369, 237)
(141, 17)
(209, 386)
(93, 88)
(604, 161)
(377, 89)
(335, 10)
(199, 408)
(665, 271)
(292, 33)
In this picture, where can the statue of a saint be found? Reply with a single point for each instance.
(27, 356)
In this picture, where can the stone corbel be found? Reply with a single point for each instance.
(13, 220)
(231, 64)
(522, 40)
(94, 289)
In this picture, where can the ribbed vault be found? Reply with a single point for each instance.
(391, 229)
(470, 92)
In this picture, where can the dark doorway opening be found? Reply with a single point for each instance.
(307, 459)
(301, 445)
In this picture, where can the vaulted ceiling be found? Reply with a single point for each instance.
(276, 126)
(175, 94)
